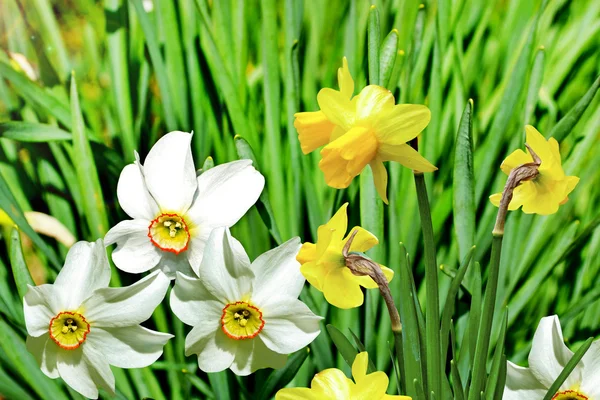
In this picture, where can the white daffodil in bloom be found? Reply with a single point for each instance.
(174, 211)
(245, 316)
(78, 326)
(547, 358)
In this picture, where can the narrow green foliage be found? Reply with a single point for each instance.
(361, 347)
(387, 58)
(19, 268)
(568, 122)
(464, 183)
(496, 380)
(341, 342)
(87, 174)
(568, 368)
(281, 377)
(374, 37)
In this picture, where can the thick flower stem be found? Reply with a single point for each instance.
(432, 318)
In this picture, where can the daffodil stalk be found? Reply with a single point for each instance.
(522, 173)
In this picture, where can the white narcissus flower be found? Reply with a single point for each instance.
(548, 356)
(78, 326)
(244, 316)
(174, 211)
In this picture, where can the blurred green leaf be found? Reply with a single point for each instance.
(341, 342)
(281, 377)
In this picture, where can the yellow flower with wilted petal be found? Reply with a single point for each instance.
(323, 264)
(366, 129)
(333, 384)
(550, 188)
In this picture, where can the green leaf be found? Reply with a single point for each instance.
(158, 64)
(568, 122)
(36, 133)
(19, 268)
(464, 183)
(263, 205)
(450, 306)
(87, 174)
(568, 369)
(281, 377)
(25, 365)
(219, 382)
(374, 34)
(199, 384)
(341, 342)
(387, 58)
(495, 379)
(11, 388)
(410, 329)
(8, 203)
(361, 347)
(535, 82)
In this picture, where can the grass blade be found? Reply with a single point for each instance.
(341, 342)
(281, 377)
(19, 268)
(464, 183)
(374, 37)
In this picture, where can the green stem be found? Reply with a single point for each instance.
(487, 319)
(432, 317)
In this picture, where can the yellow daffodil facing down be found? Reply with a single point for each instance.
(366, 129)
(333, 384)
(550, 188)
(323, 264)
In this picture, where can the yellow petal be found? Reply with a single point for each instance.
(314, 274)
(298, 394)
(339, 222)
(324, 236)
(331, 384)
(550, 165)
(345, 80)
(308, 252)
(363, 240)
(405, 155)
(337, 108)
(372, 386)
(554, 148)
(368, 283)
(336, 133)
(516, 158)
(402, 124)
(341, 290)
(345, 157)
(359, 366)
(372, 103)
(394, 397)
(380, 179)
(495, 199)
(314, 130)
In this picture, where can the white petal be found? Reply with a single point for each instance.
(549, 355)
(215, 352)
(171, 263)
(135, 253)
(192, 303)
(40, 305)
(590, 384)
(521, 384)
(126, 306)
(129, 347)
(170, 173)
(225, 270)
(289, 325)
(252, 355)
(44, 350)
(75, 372)
(278, 273)
(133, 195)
(226, 192)
(86, 269)
(98, 368)
(195, 251)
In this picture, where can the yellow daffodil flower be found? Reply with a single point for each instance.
(333, 384)
(323, 264)
(550, 188)
(366, 129)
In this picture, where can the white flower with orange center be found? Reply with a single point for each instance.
(173, 210)
(78, 326)
(244, 316)
(547, 359)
